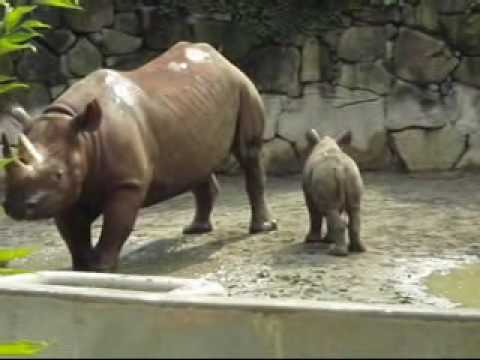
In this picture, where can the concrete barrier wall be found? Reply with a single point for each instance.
(93, 322)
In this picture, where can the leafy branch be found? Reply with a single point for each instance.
(17, 32)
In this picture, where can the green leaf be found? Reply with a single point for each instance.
(7, 255)
(23, 348)
(6, 88)
(6, 78)
(35, 24)
(14, 17)
(7, 47)
(10, 272)
(21, 36)
(3, 164)
(69, 4)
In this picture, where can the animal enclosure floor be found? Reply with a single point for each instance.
(412, 225)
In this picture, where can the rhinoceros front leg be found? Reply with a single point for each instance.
(252, 165)
(74, 226)
(205, 195)
(119, 215)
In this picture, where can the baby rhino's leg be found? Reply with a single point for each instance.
(354, 231)
(316, 217)
(336, 233)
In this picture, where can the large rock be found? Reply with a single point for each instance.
(425, 15)
(118, 43)
(334, 110)
(127, 5)
(83, 58)
(42, 65)
(275, 69)
(238, 41)
(210, 31)
(467, 104)
(376, 16)
(34, 99)
(468, 70)
(362, 44)
(452, 6)
(462, 31)
(366, 76)
(421, 58)
(96, 15)
(429, 150)
(315, 61)
(279, 158)
(60, 40)
(274, 105)
(471, 158)
(51, 16)
(161, 32)
(130, 61)
(127, 23)
(6, 65)
(411, 106)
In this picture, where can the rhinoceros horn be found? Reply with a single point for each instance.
(24, 144)
(21, 115)
(7, 151)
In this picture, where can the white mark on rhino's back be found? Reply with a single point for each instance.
(197, 55)
(122, 89)
(174, 66)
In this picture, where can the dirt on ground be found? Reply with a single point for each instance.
(412, 225)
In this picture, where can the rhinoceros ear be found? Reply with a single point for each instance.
(344, 138)
(90, 119)
(312, 137)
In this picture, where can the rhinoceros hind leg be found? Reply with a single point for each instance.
(255, 183)
(316, 217)
(205, 195)
(336, 232)
(354, 232)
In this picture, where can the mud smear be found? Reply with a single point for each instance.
(412, 226)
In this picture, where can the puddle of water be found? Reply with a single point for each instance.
(459, 285)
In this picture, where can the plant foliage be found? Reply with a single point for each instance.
(17, 31)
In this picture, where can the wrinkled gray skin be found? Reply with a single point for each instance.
(332, 186)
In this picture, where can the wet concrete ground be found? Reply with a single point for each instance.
(412, 225)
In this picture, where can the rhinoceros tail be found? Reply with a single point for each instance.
(340, 181)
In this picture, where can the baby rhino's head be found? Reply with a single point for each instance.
(325, 143)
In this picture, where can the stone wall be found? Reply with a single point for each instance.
(405, 79)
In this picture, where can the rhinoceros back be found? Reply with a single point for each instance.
(176, 115)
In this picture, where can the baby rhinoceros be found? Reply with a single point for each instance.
(332, 185)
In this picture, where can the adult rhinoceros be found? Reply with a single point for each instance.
(115, 142)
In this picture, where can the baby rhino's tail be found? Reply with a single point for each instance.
(339, 174)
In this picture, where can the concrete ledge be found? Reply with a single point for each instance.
(153, 321)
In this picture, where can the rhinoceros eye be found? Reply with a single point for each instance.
(23, 159)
